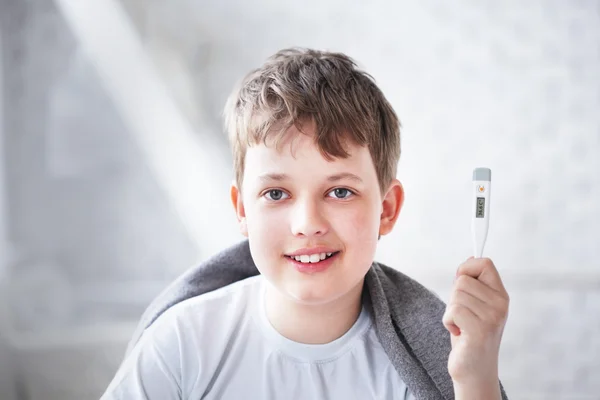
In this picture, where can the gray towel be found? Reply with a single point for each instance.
(408, 317)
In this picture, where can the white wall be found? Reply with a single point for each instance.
(2, 173)
(7, 388)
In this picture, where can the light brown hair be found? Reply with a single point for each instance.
(295, 86)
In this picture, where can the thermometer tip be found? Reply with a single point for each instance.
(482, 174)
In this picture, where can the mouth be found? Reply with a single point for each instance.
(312, 258)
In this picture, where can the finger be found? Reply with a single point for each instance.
(484, 270)
(481, 291)
(453, 329)
(467, 300)
(458, 316)
(449, 324)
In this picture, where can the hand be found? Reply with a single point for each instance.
(475, 317)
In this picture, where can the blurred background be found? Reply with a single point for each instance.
(114, 168)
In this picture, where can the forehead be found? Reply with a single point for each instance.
(300, 156)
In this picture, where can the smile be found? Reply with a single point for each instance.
(313, 258)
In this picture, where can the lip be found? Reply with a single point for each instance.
(311, 268)
(312, 250)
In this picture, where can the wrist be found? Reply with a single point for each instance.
(478, 389)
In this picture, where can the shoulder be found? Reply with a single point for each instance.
(406, 296)
(221, 305)
(191, 335)
(388, 275)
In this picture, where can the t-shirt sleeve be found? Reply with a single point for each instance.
(152, 370)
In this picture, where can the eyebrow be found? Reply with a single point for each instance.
(331, 178)
(273, 177)
(344, 175)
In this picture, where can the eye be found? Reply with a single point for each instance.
(275, 195)
(341, 193)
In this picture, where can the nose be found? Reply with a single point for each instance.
(308, 219)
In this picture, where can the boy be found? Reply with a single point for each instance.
(316, 147)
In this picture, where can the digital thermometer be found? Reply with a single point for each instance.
(482, 180)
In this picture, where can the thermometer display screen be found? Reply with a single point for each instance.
(480, 209)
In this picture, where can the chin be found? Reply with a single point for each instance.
(308, 293)
(310, 297)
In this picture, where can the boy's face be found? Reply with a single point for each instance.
(295, 202)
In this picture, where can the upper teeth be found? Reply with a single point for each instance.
(313, 258)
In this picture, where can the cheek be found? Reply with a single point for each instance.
(264, 237)
(359, 225)
(265, 225)
(359, 233)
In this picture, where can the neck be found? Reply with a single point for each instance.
(313, 324)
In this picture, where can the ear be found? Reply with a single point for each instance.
(391, 206)
(238, 205)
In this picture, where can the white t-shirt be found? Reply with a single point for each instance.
(221, 346)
